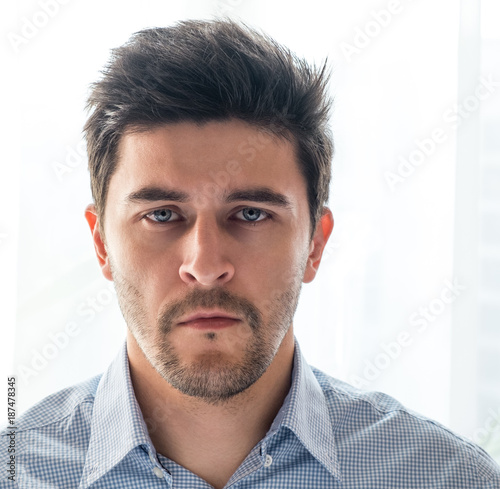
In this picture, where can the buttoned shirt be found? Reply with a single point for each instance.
(327, 434)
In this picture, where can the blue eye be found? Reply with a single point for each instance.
(248, 214)
(161, 215)
(252, 214)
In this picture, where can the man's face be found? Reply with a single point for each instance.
(207, 236)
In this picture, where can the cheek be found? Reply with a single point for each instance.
(275, 271)
(147, 271)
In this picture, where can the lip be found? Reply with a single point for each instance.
(210, 324)
(214, 319)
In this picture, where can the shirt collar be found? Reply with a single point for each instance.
(305, 412)
(118, 425)
(117, 422)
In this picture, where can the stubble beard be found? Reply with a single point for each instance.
(211, 378)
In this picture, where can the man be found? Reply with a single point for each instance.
(209, 157)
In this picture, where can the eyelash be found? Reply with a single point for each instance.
(267, 216)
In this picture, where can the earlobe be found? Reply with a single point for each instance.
(99, 244)
(323, 230)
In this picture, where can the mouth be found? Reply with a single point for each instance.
(209, 320)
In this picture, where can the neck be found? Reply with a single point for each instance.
(210, 440)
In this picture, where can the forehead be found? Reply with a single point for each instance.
(212, 157)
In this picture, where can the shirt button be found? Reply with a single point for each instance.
(269, 461)
(158, 472)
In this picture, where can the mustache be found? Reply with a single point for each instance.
(211, 298)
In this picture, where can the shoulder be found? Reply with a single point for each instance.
(59, 420)
(49, 441)
(58, 406)
(376, 424)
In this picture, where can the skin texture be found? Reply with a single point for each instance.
(230, 233)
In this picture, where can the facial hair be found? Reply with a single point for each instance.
(211, 377)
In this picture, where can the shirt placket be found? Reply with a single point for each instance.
(158, 470)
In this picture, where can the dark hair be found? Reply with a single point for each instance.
(210, 70)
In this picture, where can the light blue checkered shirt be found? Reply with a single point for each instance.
(327, 434)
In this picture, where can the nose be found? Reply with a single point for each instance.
(205, 259)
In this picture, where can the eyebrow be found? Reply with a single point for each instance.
(257, 194)
(154, 194)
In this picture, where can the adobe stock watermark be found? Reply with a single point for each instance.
(364, 36)
(75, 156)
(491, 427)
(420, 321)
(452, 117)
(87, 310)
(32, 25)
(225, 7)
(330, 249)
(248, 150)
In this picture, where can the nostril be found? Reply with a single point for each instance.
(206, 274)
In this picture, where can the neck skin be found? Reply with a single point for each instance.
(209, 440)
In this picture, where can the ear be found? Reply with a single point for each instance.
(99, 245)
(318, 243)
